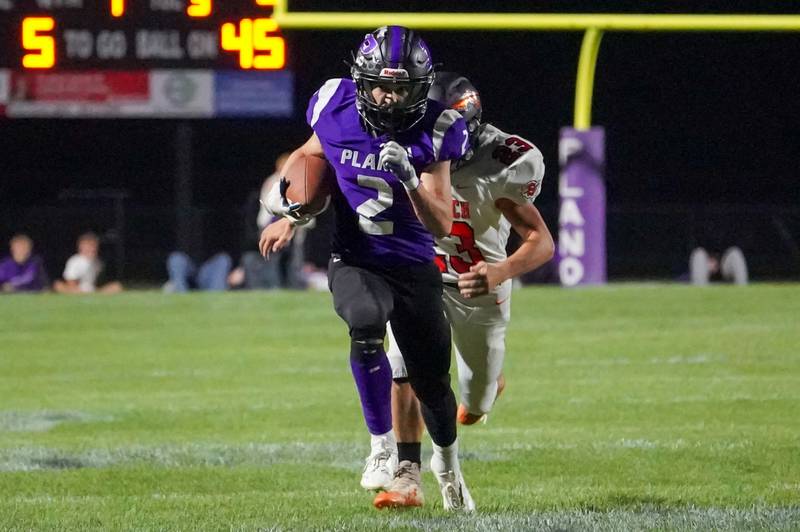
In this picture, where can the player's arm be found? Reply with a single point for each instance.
(279, 233)
(537, 243)
(537, 248)
(515, 201)
(312, 147)
(430, 193)
(433, 201)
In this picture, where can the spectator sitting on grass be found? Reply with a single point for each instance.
(22, 271)
(214, 274)
(731, 267)
(83, 268)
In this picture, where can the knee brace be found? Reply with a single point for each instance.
(365, 349)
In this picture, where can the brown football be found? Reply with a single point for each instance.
(308, 183)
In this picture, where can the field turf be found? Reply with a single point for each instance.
(628, 407)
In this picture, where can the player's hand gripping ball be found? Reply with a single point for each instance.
(304, 188)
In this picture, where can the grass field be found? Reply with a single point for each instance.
(628, 407)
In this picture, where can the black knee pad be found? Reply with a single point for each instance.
(366, 349)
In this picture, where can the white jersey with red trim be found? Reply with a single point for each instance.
(502, 166)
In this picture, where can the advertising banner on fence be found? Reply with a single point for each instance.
(254, 93)
(175, 93)
(582, 210)
(146, 94)
(76, 94)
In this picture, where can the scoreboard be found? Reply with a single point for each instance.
(120, 58)
(124, 34)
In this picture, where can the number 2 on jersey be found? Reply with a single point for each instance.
(466, 236)
(374, 206)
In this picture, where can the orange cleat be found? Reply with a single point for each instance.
(405, 490)
(395, 499)
(465, 417)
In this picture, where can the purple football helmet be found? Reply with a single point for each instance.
(396, 58)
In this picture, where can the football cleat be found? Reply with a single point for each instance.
(455, 495)
(405, 489)
(379, 468)
(464, 417)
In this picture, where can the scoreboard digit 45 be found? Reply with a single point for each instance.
(42, 35)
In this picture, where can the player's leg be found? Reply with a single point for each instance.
(407, 420)
(364, 301)
(479, 329)
(406, 415)
(406, 488)
(480, 367)
(423, 335)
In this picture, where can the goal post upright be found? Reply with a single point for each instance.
(581, 252)
(582, 247)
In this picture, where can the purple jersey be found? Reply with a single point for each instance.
(375, 220)
(28, 276)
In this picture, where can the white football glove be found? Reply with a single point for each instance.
(278, 204)
(394, 158)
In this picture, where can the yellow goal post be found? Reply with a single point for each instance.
(593, 24)
(581, 255)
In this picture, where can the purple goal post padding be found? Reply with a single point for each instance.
(582, 207)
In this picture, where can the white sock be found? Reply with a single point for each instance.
(445, 459)
(378, 442)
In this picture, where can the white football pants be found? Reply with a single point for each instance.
(479, 333)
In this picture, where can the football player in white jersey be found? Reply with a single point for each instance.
(493, 187)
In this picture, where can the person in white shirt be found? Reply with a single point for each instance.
(83, 268)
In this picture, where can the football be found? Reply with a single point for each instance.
(307, 180)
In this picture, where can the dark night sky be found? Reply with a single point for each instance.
(690, 118)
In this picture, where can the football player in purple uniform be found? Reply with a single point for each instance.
(391, 149)
(494, 186)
